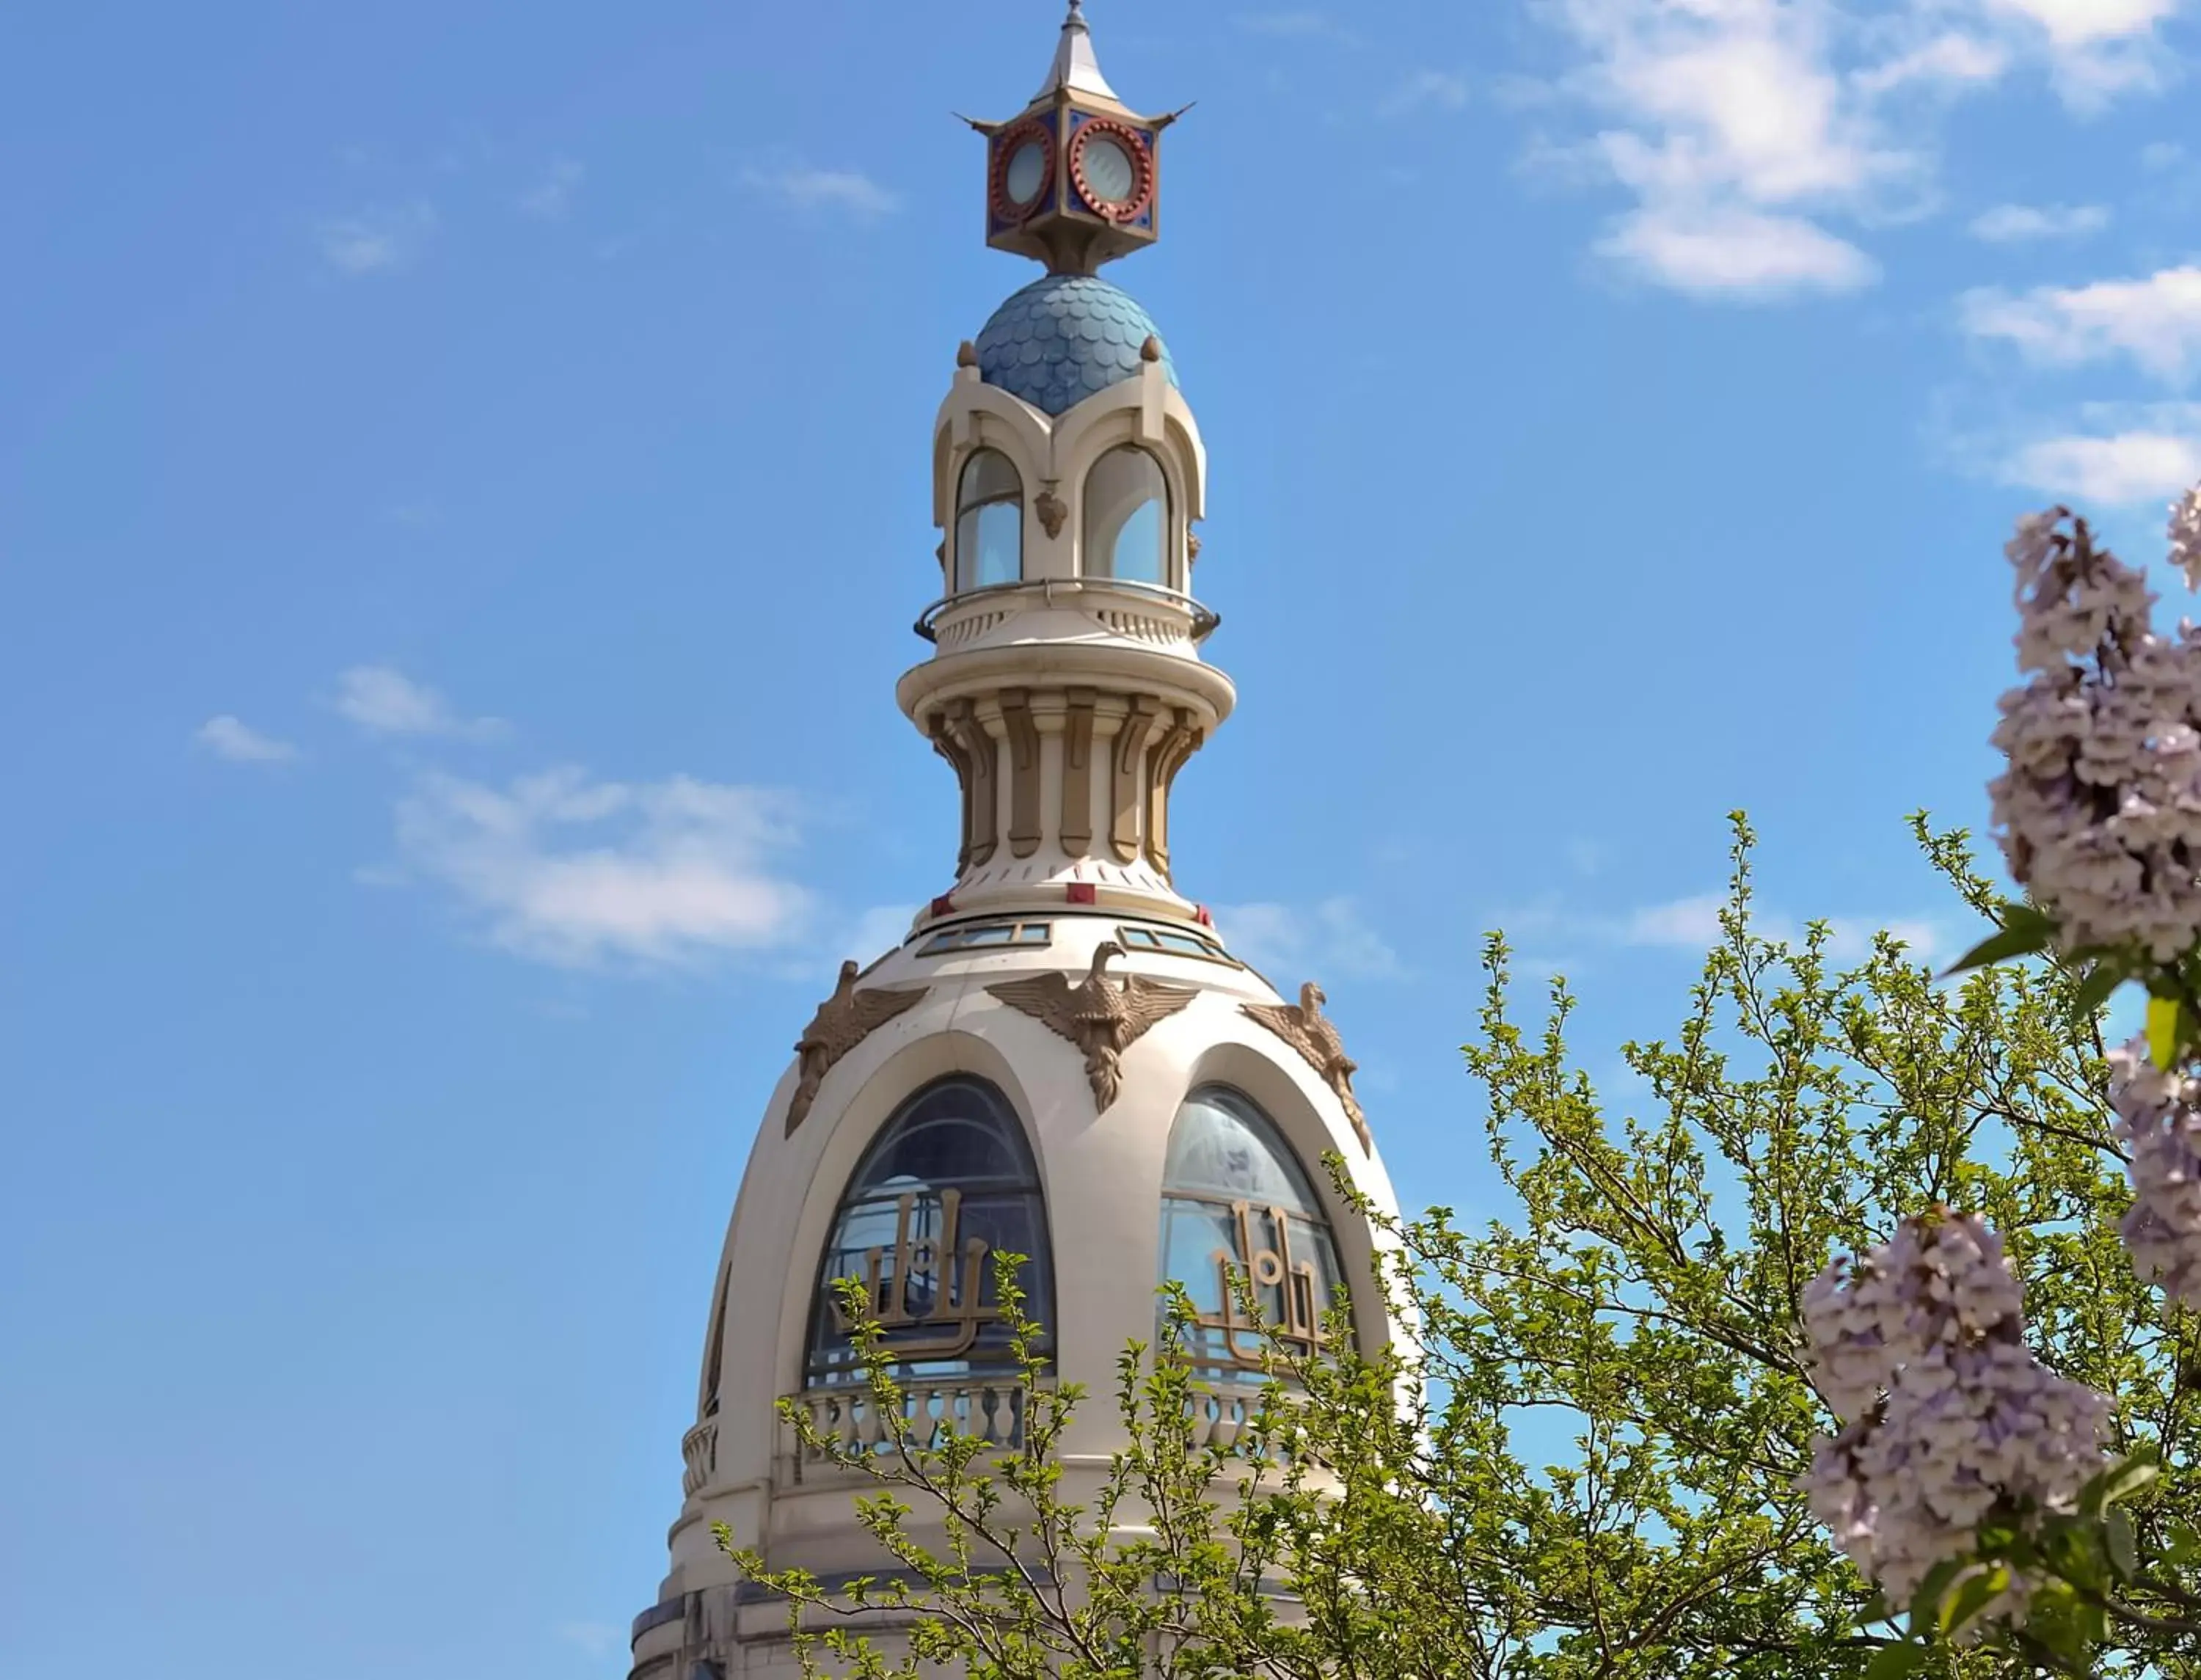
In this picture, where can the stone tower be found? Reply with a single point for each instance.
(1062, 1059)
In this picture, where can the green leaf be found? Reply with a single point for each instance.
(2162, 1019)
(1891, 1662)
(1926, 1602)
(1976, 1593)
(2103, 978)
(2024, 931)
(2121, 1481)
(2182, 1542)
(2118, 1531)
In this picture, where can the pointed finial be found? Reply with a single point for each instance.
(1075, 68)
(1151, 351)
(966, 354)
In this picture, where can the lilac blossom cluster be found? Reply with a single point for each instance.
(2159, 1122)
(2185, 536)
(2099, 811)
(1920, 1347)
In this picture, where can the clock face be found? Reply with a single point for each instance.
(1027, 172)
(1110, 175)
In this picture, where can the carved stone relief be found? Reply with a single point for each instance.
(844, 1021)
(1303, 1027)
(1103, 1018)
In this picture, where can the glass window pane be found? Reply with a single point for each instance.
(949, 1183)
(1223, 1146)
(989, 520)
(1126, 527)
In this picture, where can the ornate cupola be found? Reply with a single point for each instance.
(1066, 686)
(1062, 1059)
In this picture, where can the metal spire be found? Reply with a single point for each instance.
(1075, 68)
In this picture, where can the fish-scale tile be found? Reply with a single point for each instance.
(1063, 338)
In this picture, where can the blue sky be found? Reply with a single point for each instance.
(440, 440)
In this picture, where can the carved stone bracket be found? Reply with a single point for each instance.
(1051, 511)
(1024, 772)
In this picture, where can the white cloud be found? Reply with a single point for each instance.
(2007, 224)
(551, 199)
(226, 737)
(1693, 925)
(384, 701)
(1431, 90)
(2130, 455)
(849, 191)
(582, 873)
(1743, 128)
(1736, 253)
(2156, 321)
(1290, 943)
(1301, 24)
(381, 240)
(2161, 155)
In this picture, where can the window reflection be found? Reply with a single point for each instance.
(948, 1184)
(1238, 1209)
(989, 522)
(1126, 528)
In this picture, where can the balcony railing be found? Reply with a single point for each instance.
(699, 1455)
(932, 1409)
(1144, 612)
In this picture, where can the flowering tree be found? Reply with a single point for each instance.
(1845, 1350)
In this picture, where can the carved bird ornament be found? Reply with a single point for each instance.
(844, 1021)
(1102, 1016)
(1303, 1027)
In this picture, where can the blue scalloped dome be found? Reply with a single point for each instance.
(1063, 338)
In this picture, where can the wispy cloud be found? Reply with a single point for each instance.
(551, 199)
(384, 701)
(1425, 90)
(849, 192)
(229, 737)
(1691, 924)
(2155, 321)
(1749, 131)
(1299, 24)
(1290, 942)
(1737, 253)
(564, 869)
(2010, 223)
(382, 240)
(2125, 455)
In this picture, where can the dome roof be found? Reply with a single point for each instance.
(1063, 338)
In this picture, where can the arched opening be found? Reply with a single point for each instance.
(1127, 518)
(1238, 1208)
(948, 1183)
(989, 522)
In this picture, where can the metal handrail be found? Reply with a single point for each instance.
(1205, 619)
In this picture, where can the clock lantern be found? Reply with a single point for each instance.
(1073, 181)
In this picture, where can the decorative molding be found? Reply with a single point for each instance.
(1303, 1027)
(1077, 772)
(1167, 758)
(1051, 511)
(1024, 834)
(1103, 1018)
(1125, 781)
(844, 1021)
(980, 799)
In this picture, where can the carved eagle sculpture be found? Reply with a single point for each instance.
(1102, 1016)
(844, 1021)
(1303, 1027)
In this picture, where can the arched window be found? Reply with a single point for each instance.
(989, 522)
(1127, 517)
(948, 1183)
(1237, 1207)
